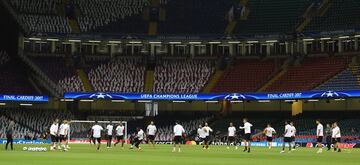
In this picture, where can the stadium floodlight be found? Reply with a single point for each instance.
(74, 40)
(194, 42)
(25, 104)
(290, 101)
(52, 39)
(154, 42)
(252, 42)
(236, 101)
(134, 42)
(35, 39)
(234, 42)
(179, 101)
(115, 42)
(174, 42)
(85, 100)
(214, 42)
(94, 41)
(271, 41)
(264, 101)
(339, 99)
(67, 100)
(325, 38)
(144, 101)
(313, 100)
(308, 39)
(344, 37)
(357, 36)
(2, 104)
(211, 101)
(118, 101)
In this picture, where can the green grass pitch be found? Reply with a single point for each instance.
(80, 154)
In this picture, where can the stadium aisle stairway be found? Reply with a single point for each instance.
(272, 80)
(213, 81)
(149, 81)
(85, 80)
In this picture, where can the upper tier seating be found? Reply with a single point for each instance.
(247, 75)
(35, 6)
(46, 23)
(311, 73)
(345, 80)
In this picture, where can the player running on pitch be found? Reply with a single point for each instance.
(120, 130)
(151, 133)
(247, 137)
(319, 135)
(269, 132)
(179, 132)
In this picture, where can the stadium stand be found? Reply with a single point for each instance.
(182, 76)
(241, 76)
(345, 80)
(46, 23)
(35, 6)
(303, 77)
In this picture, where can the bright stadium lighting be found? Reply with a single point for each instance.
(252, 42)
(144, 101)
(74, 40)
(290, 101)
(357, 36)
(134, 42)
(313, 100)
(264, 101)
(25, 104)
(154, 42)
(86, 100)
(308, 39)
(194, 42)
(325, 38)
(236, 101)
(214, 42)
(35, 39)
(344, 37)
(3, 104)
(339, 99)
(67, 100)
(118, 101)
(179, 101)
(52, 39)
(115, 42)
(94, 41)
(211, 101)
(271, 41)
(234, 42)
(174, 42)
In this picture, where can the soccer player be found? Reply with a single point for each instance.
(207, 131)
(54, 133)
(319, 135)
(293, 128)
(179, 132)
(247, 137)
(269, 131)
(287, 136)
(202, 136)
(139, 138)
(120, 130)
(9, 135)
(336, 137)
(96, 130)
(328, 132)
(231, 136)
(151, 133)
(64, 132)
(109, 130)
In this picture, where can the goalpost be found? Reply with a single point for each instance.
(79, 129)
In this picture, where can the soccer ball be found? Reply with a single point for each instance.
(25, 148)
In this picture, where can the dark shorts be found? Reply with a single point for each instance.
(336, 140)
(53, 138)
(151, 137)
(98, 140)
(231, 138)
(109, 137)
(293, 139)
(247, 137)
(269, 139)
(62, 138)
(120, 137)
(319, 139)
(178, 139)
(287, 139)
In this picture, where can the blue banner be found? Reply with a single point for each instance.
(19, 141)
(216, 96)
(29, 98)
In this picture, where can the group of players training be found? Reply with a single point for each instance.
(59, 135)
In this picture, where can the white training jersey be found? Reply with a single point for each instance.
(231, 131)
(97, 131)
(120, 130)
(247, 127)
(269, 131)
(64, 129)
(320, 130)
(140, 134)
(336, 132)
(151, 130)
(54, 129)
(110, 129)
(178, 130)
(207, 130)
(201, 133)
(293, 131)
(288, 131)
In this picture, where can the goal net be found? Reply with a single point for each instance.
(80, 129)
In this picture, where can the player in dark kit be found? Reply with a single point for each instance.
(9, 135)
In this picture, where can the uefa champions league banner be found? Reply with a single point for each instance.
(30, 98)
(216, 96)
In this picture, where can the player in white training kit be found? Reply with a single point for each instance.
(179, 132)
(231, 136)
(64, 133)
(202, 136)
(151, 133)
(287, 136)
(120, 130)
(269, 132)
(293, 128)
(336, 137)
(139, 138)
(247, 136)
(96, 131)
(207, 131)
(109, 131)
(319, 135)
(54, 128)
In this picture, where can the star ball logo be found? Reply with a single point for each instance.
(330, 94)
(235, 96)
(100, 96)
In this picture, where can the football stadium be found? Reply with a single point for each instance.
(200, 82)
